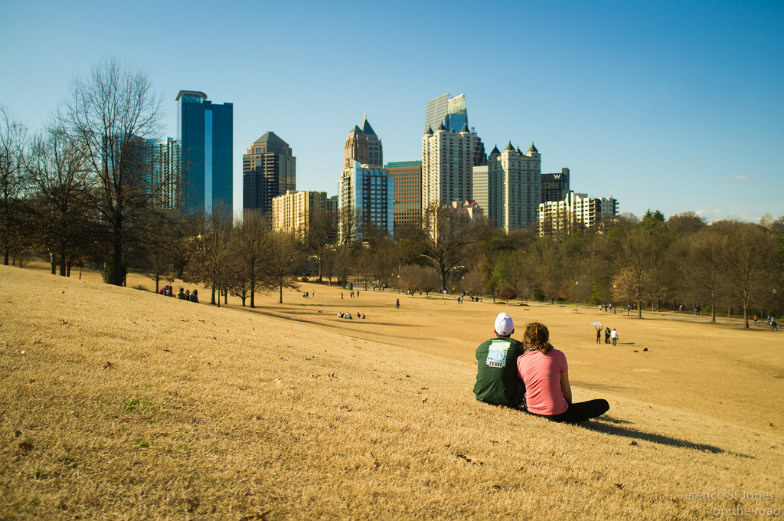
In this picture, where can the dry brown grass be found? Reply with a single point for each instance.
(122, 404)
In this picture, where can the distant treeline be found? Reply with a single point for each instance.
(78, 194)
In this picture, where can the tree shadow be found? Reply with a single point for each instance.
(609, 425)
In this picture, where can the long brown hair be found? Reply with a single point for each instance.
(536, 337)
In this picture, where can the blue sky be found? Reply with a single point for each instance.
(677, 106)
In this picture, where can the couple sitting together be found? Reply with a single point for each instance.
(532, 374)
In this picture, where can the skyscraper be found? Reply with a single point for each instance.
(555, 186)
(407, 205)
(365, 202)
(489, 189)
(449, 152)
(293, 212)
(447, 167)
(450, 112)
(268, 170)
(162, 167)
(363, 145)
(205, 132)
(520, 176)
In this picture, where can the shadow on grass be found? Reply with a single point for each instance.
(609, 425)
(286, 315)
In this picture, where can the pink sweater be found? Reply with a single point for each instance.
(542, 376)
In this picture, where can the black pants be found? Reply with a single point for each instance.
(581, 411)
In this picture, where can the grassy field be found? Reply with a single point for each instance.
(117, 403)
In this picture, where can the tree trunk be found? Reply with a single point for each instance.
(252, 292)
(280, 292)
(117, 272)
(639, 309)
(62, 259)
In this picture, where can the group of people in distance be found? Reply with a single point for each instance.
(348, 316)
(531, 375)
(182, 295)
(608, 335)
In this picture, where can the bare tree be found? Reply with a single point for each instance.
(56, 171)
(160, 246)
(111, 114)
(638, 260)
(322, 234)
(247, 247)
(13, 140)
(448, 235)
(699, 260)
(208, 252)
(281, 261)
(545, 260)
(750, 262)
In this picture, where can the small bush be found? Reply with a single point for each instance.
(507, 293)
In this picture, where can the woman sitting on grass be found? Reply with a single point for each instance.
(545, 374)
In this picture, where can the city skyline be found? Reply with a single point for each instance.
(667, 106)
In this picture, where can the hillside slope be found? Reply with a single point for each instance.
(121, 404)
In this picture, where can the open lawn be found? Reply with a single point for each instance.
(117, 403)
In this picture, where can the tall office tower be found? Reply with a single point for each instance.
(520, 178)
(555, 186)
(332, 204)
(407, 205)
(452, 113)
(162, 171)
(293, 212)
(268, 170)
(206, 133)
(574, 213)
(363, 145)
(449, 152)
(365, 202)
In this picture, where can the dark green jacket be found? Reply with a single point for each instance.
(496, 378)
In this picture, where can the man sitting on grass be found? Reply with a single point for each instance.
(497, 381)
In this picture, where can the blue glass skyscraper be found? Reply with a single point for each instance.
(205, 132)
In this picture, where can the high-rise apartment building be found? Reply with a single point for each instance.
(363, 145)
(205, 132)
(365, 202)
(555, 186)
(162, 171)
(449, 152)
(269, 169)
(520, 178)
(293, 212)
(574, 213)
(407, 205)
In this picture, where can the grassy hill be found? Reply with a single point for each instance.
(117, 403)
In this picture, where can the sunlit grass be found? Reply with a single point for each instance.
(130, 405)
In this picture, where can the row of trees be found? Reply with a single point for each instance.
(78, 193)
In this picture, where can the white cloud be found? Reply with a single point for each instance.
(739, 178)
